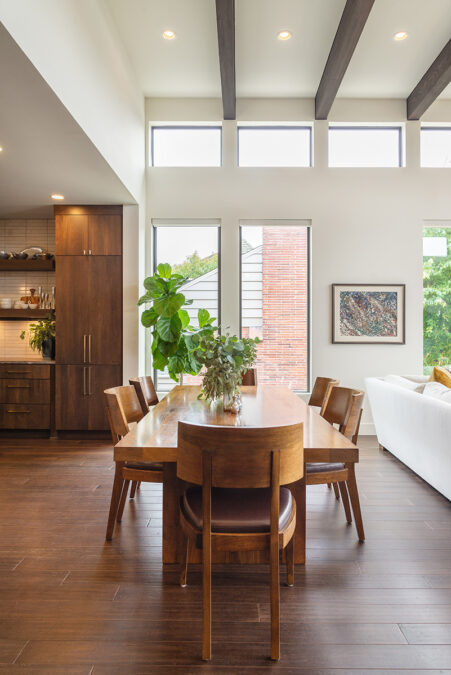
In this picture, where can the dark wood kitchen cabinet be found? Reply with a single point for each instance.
(26, 396)
(97, 232)
(88, 313)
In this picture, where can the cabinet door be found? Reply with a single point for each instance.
(105, 235)
(71, 397)
(71, 235)
(99, 379)
(72, 309)
(105, 309)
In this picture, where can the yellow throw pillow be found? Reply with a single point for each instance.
(441, 375)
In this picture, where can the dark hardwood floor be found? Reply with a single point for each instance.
(72, 604)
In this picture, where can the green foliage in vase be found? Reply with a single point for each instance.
(225, 359)
(40, 332)
(437, 304)
(174, 340)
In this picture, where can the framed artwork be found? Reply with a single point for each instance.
(368, 313)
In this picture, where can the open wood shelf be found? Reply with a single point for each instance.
(19, 265)
(24, 314)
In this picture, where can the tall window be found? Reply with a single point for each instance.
(186, 146)
(436, 147)
(437, 297)
(192, 250)
(275, 300)
(274, 146)
(359, 146)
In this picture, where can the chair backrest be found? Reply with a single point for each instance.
(344, 407)
(321, 391)
(249, 378)
(241, 457)
(122, 407)
(145, 391)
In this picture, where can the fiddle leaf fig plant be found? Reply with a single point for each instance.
(174, 339)
(225, 358)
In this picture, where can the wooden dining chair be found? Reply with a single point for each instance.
(344, 408)
(249, 378)
(321, 392)
(145, 391)
(123, 408)
(240, 505)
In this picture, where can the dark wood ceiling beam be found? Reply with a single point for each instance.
(225, 19)
(349, 30)
(431, 85)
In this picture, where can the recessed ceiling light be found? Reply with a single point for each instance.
(57, 196)
(169, 35)
(284, 35)
(401, 35)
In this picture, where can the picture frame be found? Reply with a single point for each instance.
(368, 313)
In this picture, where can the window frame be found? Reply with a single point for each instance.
(275, 127)
(368, 127)
(432, 127)
(187, 222)
(185, 127)
(282, 223)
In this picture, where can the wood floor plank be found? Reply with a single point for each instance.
(427, 634)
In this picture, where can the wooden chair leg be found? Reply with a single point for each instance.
(290, 562)
(133, 489)
(184, 564)
(138, 487)
(275, 603)
(355, 502)
(329, 485)
(206, 600)
(336, 490)
(115, 499)
(120, 510)
(345, 500)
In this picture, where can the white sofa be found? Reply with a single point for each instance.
(415, 428)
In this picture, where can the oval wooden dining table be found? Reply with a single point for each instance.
(154, 439)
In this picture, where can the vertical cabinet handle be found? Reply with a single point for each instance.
(90, 252)
(84, 251)
(84, 380)
(89, 348)
(90, 381)
(84, 348)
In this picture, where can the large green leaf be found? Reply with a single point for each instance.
(184, 317)
(149, 317)
(176, 364)
(203, 316)
(169, 305)
(159, 361)
(164, 270)
(147, 297)
(167, 348)
(156, 287)
(169, 329)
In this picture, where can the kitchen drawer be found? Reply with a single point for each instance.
(25, 391)
(14, 416)
(24, 371)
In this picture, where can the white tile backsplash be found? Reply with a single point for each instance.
(16, 235)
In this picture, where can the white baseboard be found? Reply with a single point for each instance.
(367, 429)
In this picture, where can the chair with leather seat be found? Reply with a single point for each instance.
(344, 408)
(123, 408)
(236, 502)
(321, 392)
(249, 378)
(145, 390)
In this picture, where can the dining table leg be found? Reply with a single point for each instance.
(171, 518)
(298, 490)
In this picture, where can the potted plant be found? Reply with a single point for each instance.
(174, 339)
(225, 359)
(42, 336)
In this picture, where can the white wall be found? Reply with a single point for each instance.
(75, 46)
(366, 223)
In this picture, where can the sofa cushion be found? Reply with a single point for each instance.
(438, 390)
(405, 382)
(441, 375)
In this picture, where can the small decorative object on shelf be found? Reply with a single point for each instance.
(42, 336)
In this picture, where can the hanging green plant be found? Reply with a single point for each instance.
(174, 339)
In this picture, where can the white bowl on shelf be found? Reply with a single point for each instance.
(6, 303)
(33, 306)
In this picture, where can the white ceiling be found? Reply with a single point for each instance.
(266, 67)
(44, 149)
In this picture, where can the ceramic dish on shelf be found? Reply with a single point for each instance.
(19, 256)
(32, 252)
(4, 255)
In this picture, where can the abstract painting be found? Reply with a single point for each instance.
(368, 313)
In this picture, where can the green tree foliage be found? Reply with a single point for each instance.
(194, 266)
(437, 304)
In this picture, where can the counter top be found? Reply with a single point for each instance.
(43, 362)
